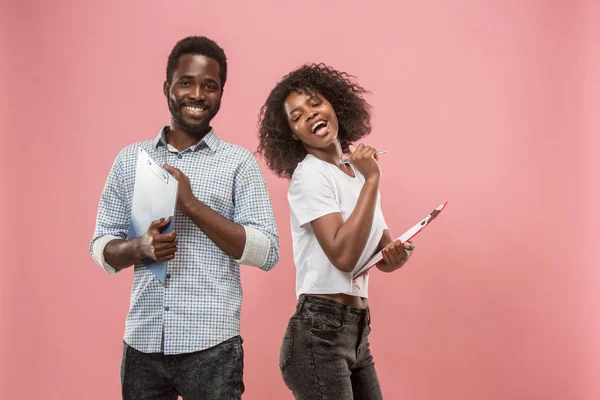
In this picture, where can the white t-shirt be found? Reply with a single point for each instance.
(319, 188)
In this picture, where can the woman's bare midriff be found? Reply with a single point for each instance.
(346, 299)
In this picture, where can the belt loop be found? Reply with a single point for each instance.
(301, 301)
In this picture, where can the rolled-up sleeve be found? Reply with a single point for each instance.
(112, 220)
(254, 211)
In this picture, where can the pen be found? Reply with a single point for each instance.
(347, 160)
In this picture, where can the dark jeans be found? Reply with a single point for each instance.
(211, 374)
(325, 352)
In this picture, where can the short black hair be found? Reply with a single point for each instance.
(276, 144)
(197, 45)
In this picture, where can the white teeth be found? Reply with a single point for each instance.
(317, 125)
(195, 109)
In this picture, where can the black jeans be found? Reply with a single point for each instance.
(325, 352)
(211, 374)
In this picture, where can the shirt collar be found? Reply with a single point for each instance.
(210, 140)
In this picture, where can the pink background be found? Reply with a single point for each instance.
(492, 106)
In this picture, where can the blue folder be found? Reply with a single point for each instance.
(154, 197)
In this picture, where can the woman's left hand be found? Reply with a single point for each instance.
(397, 253)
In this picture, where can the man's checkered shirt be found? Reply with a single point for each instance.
(199, 305)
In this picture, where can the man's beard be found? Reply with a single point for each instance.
(193, 129)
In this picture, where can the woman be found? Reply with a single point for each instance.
(310, 119)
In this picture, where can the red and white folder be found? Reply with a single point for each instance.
(406, 236)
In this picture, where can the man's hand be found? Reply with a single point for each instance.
(186, 196)
(156, 245)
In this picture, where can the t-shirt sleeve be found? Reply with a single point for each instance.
(311, 195)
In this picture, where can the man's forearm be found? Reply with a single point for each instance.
(227, 235)
(121, 253)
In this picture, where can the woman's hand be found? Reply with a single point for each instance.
(397, 253)
(365, 159)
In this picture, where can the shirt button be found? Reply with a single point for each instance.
(180, 156)
(169, 275)
(166, 308)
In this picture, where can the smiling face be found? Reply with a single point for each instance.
(311, 118)
(194, 94)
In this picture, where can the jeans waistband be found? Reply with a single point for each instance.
(320, 304)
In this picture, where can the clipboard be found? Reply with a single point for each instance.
(154, 197)
(405, 237)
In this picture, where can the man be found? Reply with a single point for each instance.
(182, 337)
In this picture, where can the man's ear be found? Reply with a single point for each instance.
(166, 89)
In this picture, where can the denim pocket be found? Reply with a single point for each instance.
(322, 321)
(287, 346)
